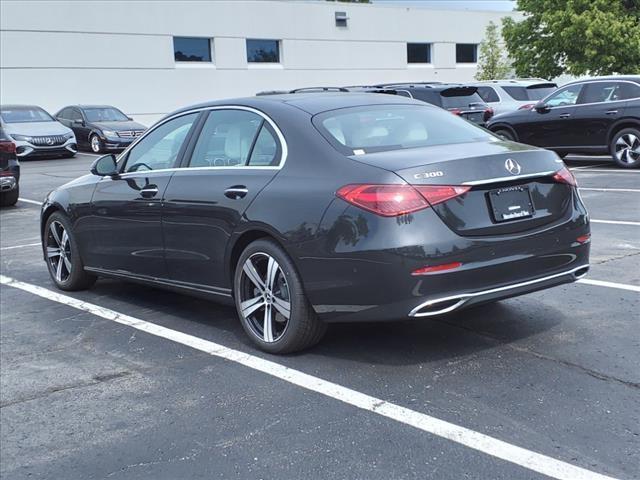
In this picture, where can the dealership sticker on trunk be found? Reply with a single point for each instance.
(511, 203)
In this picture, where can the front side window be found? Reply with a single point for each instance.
(263, 51)
(227, 139)
(564, 97)
(191, 49)
(75, 115)
(418, 53)
(360, 130)
(64, 114)
(466, 53)
(25, 115)
(488, 94)
(109, 114)
(160, 148)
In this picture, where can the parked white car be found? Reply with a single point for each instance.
(509, 95)
(36, 133)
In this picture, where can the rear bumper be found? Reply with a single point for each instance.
(8, 183)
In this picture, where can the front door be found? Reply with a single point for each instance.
(127, 230)
(235, 156)
(555, 126)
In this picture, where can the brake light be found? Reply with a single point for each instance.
(584, 238)
(526, 106)
(455, 111)
(7, 147)
(394, 200)
(565, 176)
(436, 268)
(488, 113)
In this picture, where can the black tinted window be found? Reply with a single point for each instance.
(488, 94)
(629, 90)
(226, 139)
(460, 101)
(191, 49)
(528, 93)
(418, 52)
(265, 149)
(109, 114)
(466, 53)
(64, 114)
(263, 51)
(360, 130)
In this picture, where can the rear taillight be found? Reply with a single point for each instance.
(488, 113)
(7, 147)
(526, 106)
(565, 176)
(394, 200)
(455, 111)
(436, 268)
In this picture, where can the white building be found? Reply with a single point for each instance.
(131, 54)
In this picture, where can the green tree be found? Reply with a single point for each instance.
(492, 64)
(577, 37)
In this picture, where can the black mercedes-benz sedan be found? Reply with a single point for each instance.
(100, 127)
(308, 209)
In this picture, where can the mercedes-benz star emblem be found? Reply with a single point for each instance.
(49, 141)
(512, 166)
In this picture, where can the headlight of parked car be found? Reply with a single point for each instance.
(20, 138)
(109, 133)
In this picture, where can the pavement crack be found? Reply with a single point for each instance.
(601, 262)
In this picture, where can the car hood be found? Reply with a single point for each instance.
(36, 128)
(120, 126)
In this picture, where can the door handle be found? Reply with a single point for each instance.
(236, 192)
(565, 115)
(149, 191)
(611, 112)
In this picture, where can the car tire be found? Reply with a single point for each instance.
(506, 134)
(95, 144)
(625, 148)
(10, 198)
(262, 301)
(66, 268)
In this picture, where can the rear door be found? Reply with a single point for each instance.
(555, 126)
(126, 210)
(235, 155)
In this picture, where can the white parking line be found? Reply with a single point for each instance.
(601, 283)
(22, 246)
(26, 200)
(469, 438)
(616, 222)
(591, 189)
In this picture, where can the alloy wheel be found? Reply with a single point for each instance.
(59, 251)
(628, 148)
(265, 301)
(95, 144)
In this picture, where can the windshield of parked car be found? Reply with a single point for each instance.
(25, 115)
(528, 93)
(377, 128)
(105, 115)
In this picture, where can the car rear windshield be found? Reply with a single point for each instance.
(529, 93)
(105, 115)
(25, 115)
(378, 128)
(460, 101)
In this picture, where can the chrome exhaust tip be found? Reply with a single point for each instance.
(437, 307)
(581, 272)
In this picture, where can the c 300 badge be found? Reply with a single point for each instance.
(419, 176)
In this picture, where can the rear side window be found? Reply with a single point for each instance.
(629, 90)
(265, 149)
(488, 94)
(524, 94)
(360, 130)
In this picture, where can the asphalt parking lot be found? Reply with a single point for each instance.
(130, 382)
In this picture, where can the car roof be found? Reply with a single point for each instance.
(523, 82)
(633, 78)
(312, 103)
(16, 106)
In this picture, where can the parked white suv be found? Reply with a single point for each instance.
(36, 133)
(509, 95)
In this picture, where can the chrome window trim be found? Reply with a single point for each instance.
(283, 143)
(585, 82)
(505, 179)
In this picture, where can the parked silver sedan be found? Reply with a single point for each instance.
(35, 133)
(509, 95)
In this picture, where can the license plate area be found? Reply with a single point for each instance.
(511, 203)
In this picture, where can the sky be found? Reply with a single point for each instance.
(494, 5)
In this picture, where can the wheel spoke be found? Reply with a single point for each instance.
(59, 271)
(272, 272)
(55, 234)
(53, 252)
(251, 305)
(252, 274)
(282, 306)
(67, 265)
(267, 327)
(64, 239)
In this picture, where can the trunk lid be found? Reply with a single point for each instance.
(511, 185)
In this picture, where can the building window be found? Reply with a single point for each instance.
(466, 53)
(263, 51)
(418, 52)
(191, 49)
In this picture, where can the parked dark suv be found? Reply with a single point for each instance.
(9, 171)
(460, 100)
(100, 127)
(594, 116)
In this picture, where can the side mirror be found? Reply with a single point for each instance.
(78, 123)
(541, 107)
(105, 165)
